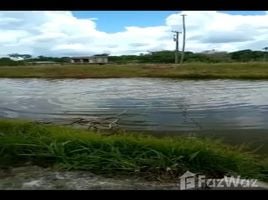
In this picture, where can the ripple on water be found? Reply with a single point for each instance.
(150, 103)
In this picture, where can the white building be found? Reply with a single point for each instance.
(97, 59)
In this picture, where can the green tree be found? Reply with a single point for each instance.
(266, 50)
(16, 55)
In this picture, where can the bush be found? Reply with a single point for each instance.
(121, 154)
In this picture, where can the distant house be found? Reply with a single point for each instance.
(213, 51)
(96, 59)
(16, 58)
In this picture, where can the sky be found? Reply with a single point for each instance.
(79, 33)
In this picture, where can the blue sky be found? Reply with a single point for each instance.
(115, 21)
(68, 33)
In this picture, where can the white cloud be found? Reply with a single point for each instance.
(60, 33)
(216, 30)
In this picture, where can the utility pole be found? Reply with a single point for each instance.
(184, 35)
(176, 39)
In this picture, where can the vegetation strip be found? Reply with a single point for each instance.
(123, 153)
(188, 71)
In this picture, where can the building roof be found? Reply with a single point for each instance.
(88, 57)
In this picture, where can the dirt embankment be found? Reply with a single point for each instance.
(37, 178)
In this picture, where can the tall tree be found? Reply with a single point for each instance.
(16, 55)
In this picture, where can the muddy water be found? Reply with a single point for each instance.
(234, 110)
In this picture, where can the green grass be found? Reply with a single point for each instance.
(192, 71)
(122, 154)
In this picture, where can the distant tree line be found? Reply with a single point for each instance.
(152, 57)
(8, 62)
(26, 59)
(52, 59)
(216, 57)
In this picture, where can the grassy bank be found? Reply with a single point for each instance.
(121, 154)
(202, 71)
